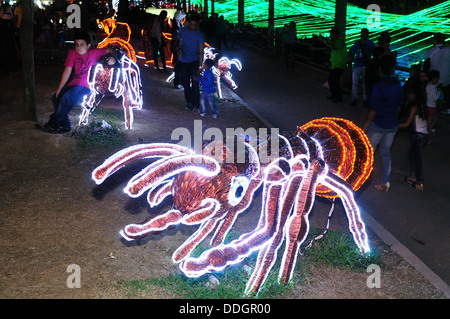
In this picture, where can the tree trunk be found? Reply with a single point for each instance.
(27, 53)
(271, 25)
(241, 13)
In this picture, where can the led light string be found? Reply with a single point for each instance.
(330, 214)
(313, 17)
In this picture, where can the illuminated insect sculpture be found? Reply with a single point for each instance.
(118, 34)
(328, 157)
(122, 79)
(222, 68)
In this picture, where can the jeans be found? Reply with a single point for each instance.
(334, 82)
(68, 97)
(446, 93)
(289, 54)
(177, 78)
(383, 138)
(418, 141)
(158, 47)
(191, 86)
(358, 72)
(208, 99)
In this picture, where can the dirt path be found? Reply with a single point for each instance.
(52, 215)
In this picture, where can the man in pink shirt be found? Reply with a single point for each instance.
(73, 85)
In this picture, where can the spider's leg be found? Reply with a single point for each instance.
(132, 153)
(268, 255)
(297, 225)
(207, 216)
(157, 194)
(192, 242)
(158, 223)
(87, 105)
(356, 225)
(126, 104)
(217, 258)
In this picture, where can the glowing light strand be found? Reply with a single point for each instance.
(313, 18)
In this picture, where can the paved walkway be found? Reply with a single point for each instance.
(416, 224)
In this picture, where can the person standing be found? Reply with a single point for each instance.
(290, 34)
(18, 14)
(191, 59)
(175, 50)
(432, 96)
(222, 30)
(439, 59)
(209, 89)
(157, 40)
(338, 64)
(9, 52)
(360, 54)
(416, 121)
(381, 123)
(7, 13)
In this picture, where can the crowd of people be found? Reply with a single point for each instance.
(10, 22)
(191, 68)
(413, 105)
(187, 46)
(391, 106)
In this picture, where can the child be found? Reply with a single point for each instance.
(71, 90)
(208, 84)
(417, 121)
(432, 97)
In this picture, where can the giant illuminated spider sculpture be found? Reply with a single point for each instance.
(327, 157)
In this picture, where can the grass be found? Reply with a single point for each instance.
(338, 250)
(334, 249)
(96, 136)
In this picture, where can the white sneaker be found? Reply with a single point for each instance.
(383, 187)
(214, 116)
(202, 114)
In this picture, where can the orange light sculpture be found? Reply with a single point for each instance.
(118, 34)
(326, 157)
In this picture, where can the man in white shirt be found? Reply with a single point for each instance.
(440, 60)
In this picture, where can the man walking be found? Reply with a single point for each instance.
(360, 54)
(382, 120)
(191, 59)
(439, 57)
